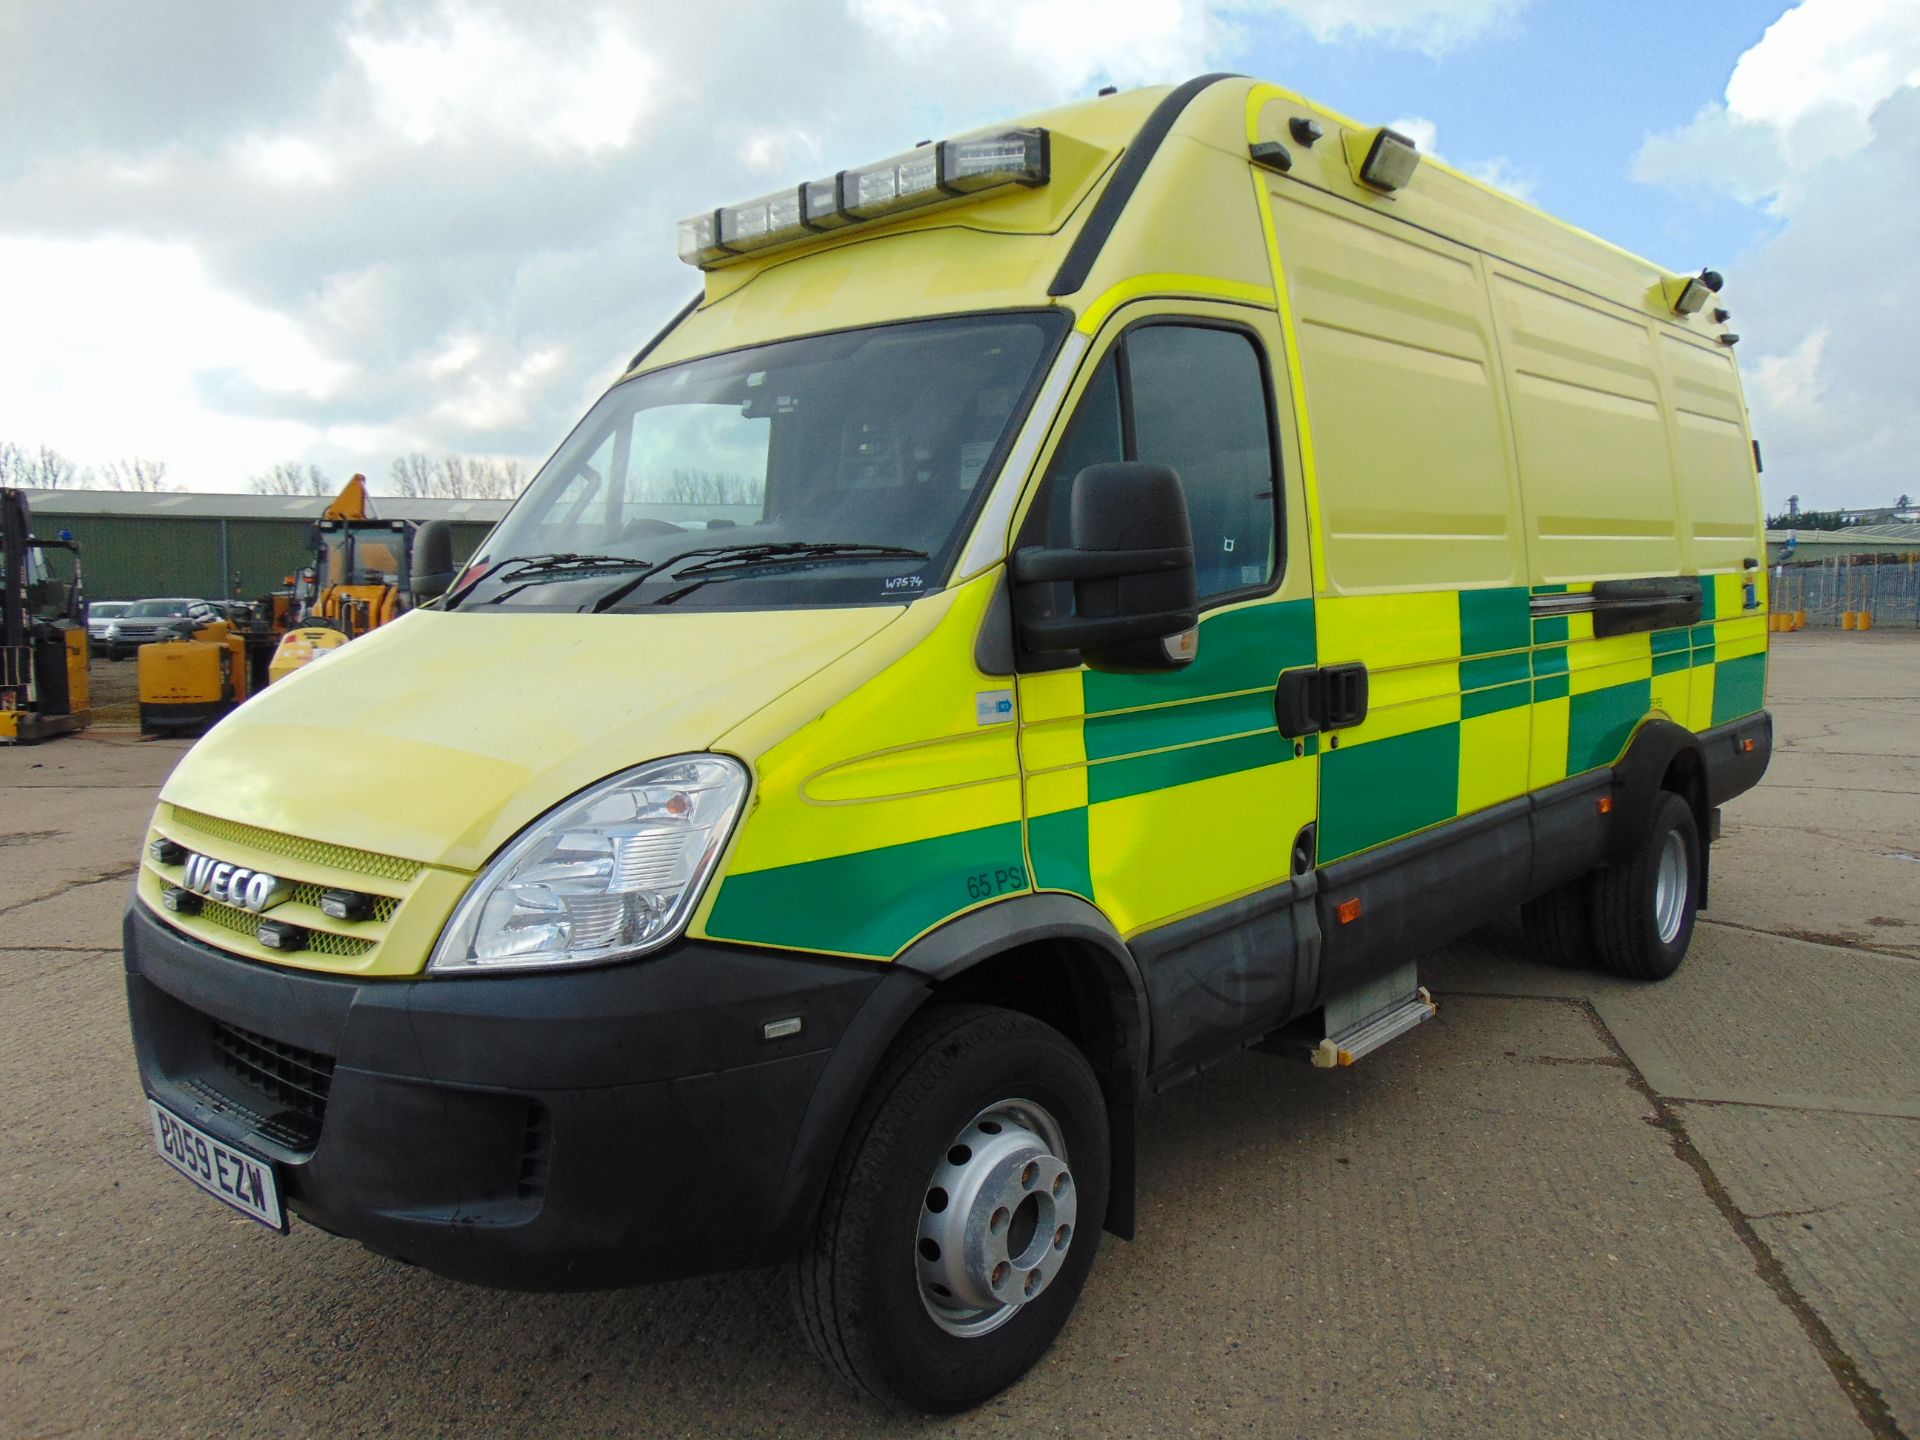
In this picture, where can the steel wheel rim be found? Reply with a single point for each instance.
(997, 1219)
(1670, 887)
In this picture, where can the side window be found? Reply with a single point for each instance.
(1200, 405)
(1195, 398)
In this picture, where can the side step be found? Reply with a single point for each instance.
(1361, 1022)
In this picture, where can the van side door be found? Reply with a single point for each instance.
(1171, 800)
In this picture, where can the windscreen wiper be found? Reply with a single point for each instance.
(722, 558)
(747, 556)
(770, 556)
(529, 568)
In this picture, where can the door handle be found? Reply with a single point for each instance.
(1329, 697)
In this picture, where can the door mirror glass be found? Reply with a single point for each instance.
(1130, 564)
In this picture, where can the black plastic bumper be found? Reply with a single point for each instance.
(168, 717)
(1735, 755)
(550, 1132)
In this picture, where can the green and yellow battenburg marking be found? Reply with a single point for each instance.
(1474, 700)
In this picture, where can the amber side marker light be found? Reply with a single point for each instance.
(1604, 804)
(1349, 911)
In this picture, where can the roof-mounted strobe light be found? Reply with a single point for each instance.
(925, 176)
(1391, 160)
(1687, 296)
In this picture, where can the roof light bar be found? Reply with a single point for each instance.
(925, 176)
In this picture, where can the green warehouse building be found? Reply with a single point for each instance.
(168, 543)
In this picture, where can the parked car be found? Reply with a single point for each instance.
(148, 620)
(100, 614)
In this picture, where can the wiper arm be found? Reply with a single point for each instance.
(747, 556)
(530, 569)
(708, 571)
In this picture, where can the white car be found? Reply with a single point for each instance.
(100, 614)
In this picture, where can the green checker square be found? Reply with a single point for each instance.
(1059, 847)
(1492, 620)
(1739, 687)
(1550, 628)
(1600, 722)
(1384, 789)
(1553, 687)
(869, 903)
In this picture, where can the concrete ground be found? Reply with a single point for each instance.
(1571, 1206)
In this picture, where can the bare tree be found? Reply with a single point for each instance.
(702, 487)
(290, 477)
(41, 469)
(456, 477)
(137, 473)
(413, 475)
(482, 479)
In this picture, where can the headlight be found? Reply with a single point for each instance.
(610, 874)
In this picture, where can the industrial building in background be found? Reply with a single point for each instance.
(219, 547)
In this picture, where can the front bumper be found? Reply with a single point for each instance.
(548, 1132)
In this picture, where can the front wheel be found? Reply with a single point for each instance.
(1644, 906)
(963, 1215)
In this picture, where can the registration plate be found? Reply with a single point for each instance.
(246, 1182)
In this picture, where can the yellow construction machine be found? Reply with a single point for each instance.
(44, 682)
(361, 578)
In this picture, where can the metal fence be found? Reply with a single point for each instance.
(1885, 587)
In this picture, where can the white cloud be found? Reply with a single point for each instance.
(1802, 96)
(1435, 26)
(140, 326)
(1820, 120)
(461, 72)
(387, 225)
(1497, 171)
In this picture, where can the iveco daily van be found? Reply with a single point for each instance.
(1156, 567)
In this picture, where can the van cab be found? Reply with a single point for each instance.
(1059, 607)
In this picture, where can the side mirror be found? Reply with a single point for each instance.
(1131, 564)
(432, 568)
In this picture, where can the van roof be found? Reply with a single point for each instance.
(1145, 185)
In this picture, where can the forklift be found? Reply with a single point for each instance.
(45, 687)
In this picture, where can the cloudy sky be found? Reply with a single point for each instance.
(234, 232)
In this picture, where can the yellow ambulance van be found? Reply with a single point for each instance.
(1169, 561)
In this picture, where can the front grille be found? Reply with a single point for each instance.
(295, 1080)
(318, 942)
(295, 847)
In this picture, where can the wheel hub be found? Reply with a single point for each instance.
(1670, 887)
(997, 1219)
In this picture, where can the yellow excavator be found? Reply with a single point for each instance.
(361, 578)
(45, 687)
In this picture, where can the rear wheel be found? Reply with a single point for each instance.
(1559, 925)
(1644, 906)
(963, 1215)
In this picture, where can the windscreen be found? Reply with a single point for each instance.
(834, 470)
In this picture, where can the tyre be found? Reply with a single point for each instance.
(963, 1214)
(1644, 906)
(1559, 925)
